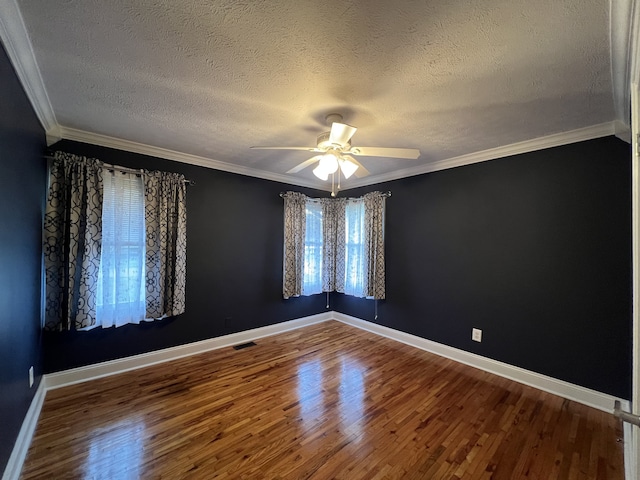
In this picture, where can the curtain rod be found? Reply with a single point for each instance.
(384, 194)
(117, 168)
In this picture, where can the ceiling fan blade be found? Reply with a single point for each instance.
(341, 133)
(304, 164)
(361, 171)
(409, 153)
(308, 149)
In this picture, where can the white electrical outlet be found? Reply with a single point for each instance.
(30, 376)
(476, 334)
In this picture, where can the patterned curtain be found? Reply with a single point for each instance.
(340, 205)
(333, 244)
(294, 235)
(374, 206)
(166, 232)
(72, 239)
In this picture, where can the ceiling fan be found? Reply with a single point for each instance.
(335, 152)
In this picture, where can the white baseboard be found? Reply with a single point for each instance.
(586, 396)
(630, 451)
(83, 374)
(113, 367)
(21, 447)
(591, 398)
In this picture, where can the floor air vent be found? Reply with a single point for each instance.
(244, 345)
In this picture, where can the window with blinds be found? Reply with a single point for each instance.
(354, 255)
(121, 277)
(312, 277)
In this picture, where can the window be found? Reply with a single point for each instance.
(334, 244)
(354, 259)
(121, 277)
(114, 244)
(312, 278)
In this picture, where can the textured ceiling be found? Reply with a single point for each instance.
(212, 78)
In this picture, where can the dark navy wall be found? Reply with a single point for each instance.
(234, 266)
(22, 186)
(535, 250)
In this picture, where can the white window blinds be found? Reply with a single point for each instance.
(121, 287)
(312, 278)
(354, 255)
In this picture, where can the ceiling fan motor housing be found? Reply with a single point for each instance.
(324, 142)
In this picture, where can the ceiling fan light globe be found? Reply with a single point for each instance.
(329, 163)
(321, 173)
(348, 168)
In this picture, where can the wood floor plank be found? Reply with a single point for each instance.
(325, 401)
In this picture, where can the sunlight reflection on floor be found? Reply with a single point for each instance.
(351, 393)
(116, 452)
(350, 384)
(310, 392)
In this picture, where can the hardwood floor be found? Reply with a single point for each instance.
(325, 401)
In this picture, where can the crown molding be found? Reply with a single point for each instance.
(624, 33)
(15, 39)
(622, 131)
(555, 140)
(541, 143)
(134, 147)
(620, 34)
(634, 45)
(625, 39)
